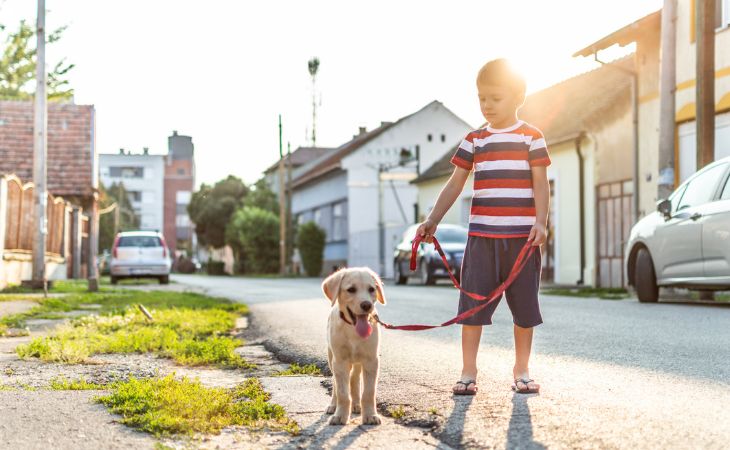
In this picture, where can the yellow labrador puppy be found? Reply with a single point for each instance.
(352, 343)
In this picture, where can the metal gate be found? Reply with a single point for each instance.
(614, 220)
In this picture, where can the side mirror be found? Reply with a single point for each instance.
(665, 207)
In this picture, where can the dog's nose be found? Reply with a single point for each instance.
(366, 306)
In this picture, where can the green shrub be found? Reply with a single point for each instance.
(310, 241)
(257, 230)
(215, 267)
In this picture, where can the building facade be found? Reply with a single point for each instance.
(179, 185)
(143, 177)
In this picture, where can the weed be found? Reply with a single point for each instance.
(433, 411)
(602, 293)
(166, 406)
(62, 384)
(296, 369)
(397, 413)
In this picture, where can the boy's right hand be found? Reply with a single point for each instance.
(427, 229)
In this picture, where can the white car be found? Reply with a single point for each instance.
(686, 242)
(140, 254)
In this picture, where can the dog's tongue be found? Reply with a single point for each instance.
(362, 326)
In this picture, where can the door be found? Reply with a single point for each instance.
(678, 241)
(716, 236)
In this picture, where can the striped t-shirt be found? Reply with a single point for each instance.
(503, 204)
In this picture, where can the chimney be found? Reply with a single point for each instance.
(363, 130)
(145, 150)
(121, 151)
(174, 132)
(382, 124)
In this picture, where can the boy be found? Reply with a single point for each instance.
(509, 207)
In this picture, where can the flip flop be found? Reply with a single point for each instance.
(525, 381)
(466, 390)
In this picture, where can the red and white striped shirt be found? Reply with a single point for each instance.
(503, 204)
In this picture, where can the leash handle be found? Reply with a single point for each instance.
(525, 253)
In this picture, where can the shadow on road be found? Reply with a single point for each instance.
(453, 434)
(519, 433)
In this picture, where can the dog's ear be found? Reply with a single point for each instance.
(331, 285)
(378, 286)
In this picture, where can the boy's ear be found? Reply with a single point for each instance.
(378, 287)
(331, 285)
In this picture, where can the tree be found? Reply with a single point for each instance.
(261, 196)
(211, 209)
(18, 66)
(310, 242)
(252, 227)
(116, 193)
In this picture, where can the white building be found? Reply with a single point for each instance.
(143, 176)
(346, 190)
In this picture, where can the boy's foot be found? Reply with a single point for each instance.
(525, 386)
(465, 387)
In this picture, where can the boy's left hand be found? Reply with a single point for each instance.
(538, 234)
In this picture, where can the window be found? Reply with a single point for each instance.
(701, 189)
(139, 241)
(182, 197)
(430, 137)
(722, 13)
(339, 221)
(134, 196)
(181, 171)
(126, 172)
(726, 191)
(182, 220)
(443, 138)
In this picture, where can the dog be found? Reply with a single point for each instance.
(352, 343)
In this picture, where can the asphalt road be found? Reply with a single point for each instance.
(614, 374)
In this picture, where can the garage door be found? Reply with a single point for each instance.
(688, 144)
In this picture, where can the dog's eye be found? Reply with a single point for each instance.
(371, 289)
(352, 289)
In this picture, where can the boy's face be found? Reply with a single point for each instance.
(499, 105)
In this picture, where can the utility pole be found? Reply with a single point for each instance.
(667, 89)
(381, 221)
(289, 193)
(40, 140)
(705, 101)
(313, 69)
(282, 208)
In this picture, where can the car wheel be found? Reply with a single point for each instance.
(426, 275)
(646, 287)
(398, 275)
(114, 280)
(165, 279)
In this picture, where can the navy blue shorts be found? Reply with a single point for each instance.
(487, 263)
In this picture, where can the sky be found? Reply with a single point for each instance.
(222, 71)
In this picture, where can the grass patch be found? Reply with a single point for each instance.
(62, 384)
(167, 406)
(397, 413)
(602, 293)
(433, 411)
(296, 369)
(189, 336)
(4, 387)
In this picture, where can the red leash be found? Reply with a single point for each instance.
(522, 258)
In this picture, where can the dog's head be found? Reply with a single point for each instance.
(355, 290)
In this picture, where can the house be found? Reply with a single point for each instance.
(645, 33)
(359, 193)
(589, 138)
(142, 175)
(298, 158)
(159, 187)
(71, 181)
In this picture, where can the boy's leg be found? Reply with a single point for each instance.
(523, 347)
(470, 337)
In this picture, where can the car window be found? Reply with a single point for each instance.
(726, 191)
(700, 189)
(456, 235)
(139, 241)
(674, 198)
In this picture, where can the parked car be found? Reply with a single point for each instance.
(686, 241)
(429, 265)
(140, 254)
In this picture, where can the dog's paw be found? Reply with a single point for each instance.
(339, 420)
(373, 419)
(330, 409)
(356, 408)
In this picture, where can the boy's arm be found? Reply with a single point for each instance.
(541, 189)
(447, 197)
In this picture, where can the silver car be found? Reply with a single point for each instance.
(140, 254)
(686, 242)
